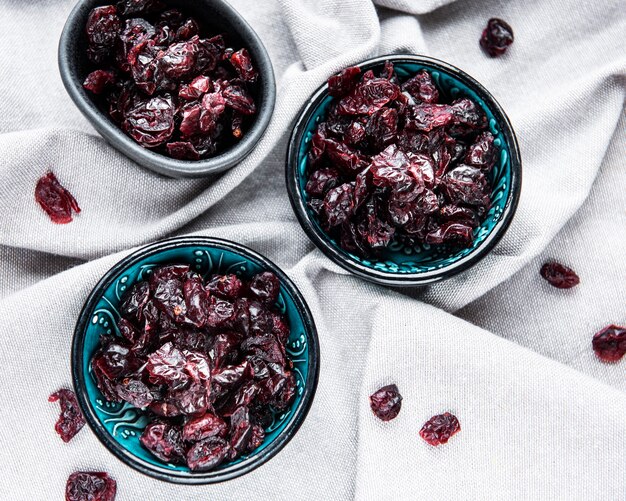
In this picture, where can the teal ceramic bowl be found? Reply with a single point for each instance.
(118, 426)
(402, 265)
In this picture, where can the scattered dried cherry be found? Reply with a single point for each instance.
(496, 37)
(167, 82)
(90, 486)
(610, 343)
(55, 199)
(386, 402)
(71, 420)
(438, 429)
(559, 275)
(204, 359)
(393, 160)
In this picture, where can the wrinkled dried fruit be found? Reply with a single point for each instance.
(71, 420)
(392, 162)
(610, 343)
(98, 80)
(496, 37)
(207, 454)
(386, 402)
(55, 199)
(205, 360)
(90, 486)
(438, 429)
(165, 84)
(559, 276)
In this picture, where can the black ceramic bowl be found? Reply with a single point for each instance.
(218, 16)
(400, 264)
(117, 425)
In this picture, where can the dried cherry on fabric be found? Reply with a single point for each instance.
(386, 402)
(55, 199)
(496, 37)
(204, 358)
(71, 419)
(90, 486)
(167, 81)
(559, 275)
(438, 429)
(610, 343)
(397, 160)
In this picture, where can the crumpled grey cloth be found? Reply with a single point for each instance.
(541, 417)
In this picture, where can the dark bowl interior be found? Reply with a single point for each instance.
(217, 16)
(118, 426)
(399, 264)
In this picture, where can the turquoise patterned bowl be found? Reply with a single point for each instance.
(402, 265)
(119, 426)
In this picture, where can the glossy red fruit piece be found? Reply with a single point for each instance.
(207, 454)
(71, 419)
(496, 37)
(182, 150)
(225, 286)
(102, 28)
(53, 198)
(238, 98)
(151, 122)
(482, 153)
(90, 486)
(321, 181)
(339, 204)
(559, 275)
(132, 7)
(421, 88)
(455, 233)
(609, 344)
(203, 427)
(163, 441)
(98, 80)
(344, 82)
(242, 62)
(368, 97)
(265, 287)
(386, 402)
(438, 429)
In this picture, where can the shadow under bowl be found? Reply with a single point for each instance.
(403, 265)
(119, 425)
(215, 15)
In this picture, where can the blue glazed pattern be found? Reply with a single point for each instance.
(123, 422)
(399, 258)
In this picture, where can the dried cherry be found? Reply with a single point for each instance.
(386, 402)
(438, 429)
(610, 343)
(496, 37)
(559, 275)
(90, 486)
(71, 419)
(55, 199)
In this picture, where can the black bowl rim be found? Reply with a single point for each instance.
(156, 161)
(319, 238)
(232, 471)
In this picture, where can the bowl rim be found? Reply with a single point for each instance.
(184, 477)
(319, 238)
(158, 162)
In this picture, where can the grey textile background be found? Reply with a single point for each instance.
(541, 417)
